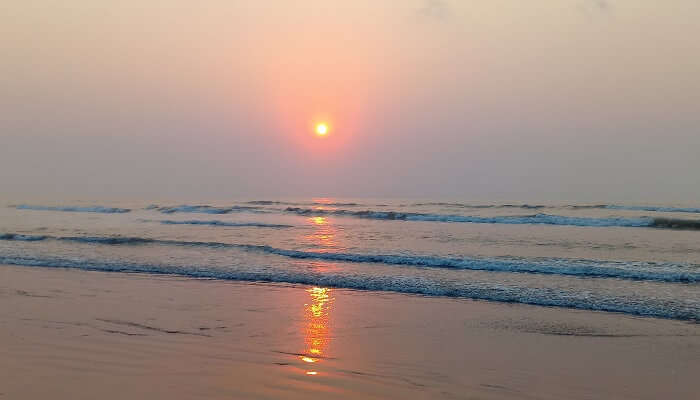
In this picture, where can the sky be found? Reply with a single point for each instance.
(551, 100)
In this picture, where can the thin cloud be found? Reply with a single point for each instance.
(435, 9)
(592, 7)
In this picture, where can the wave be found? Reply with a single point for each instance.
(583, 268)
(205, 209)
(114, 240)
(106, 240)
(255, 206)
(674, 223)
(403, 284)
(262, 206)
(573, 207)
(654, 208)
(535, 219)
(312, 203)
(225, 223)
(646, 271)
(586, 206)
(636, 208)
(82, 239)
(269, 202)
(463, 205)
(25, 238)
(94, 209)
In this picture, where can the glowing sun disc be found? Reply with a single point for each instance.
(321, 129)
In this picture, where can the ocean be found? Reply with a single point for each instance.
(635, 259)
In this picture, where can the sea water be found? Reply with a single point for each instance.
(634, 259)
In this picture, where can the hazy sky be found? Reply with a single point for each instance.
(503, 99)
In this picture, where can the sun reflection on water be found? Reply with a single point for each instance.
(317, 334)
(324, 234)
(319, 220)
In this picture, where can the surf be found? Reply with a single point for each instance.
(640, 271)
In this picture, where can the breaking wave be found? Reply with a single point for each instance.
(106, 239)
(312, 203)
(573, 207)
(225, 223)
(81, 239)
(463, 205)
(654, 208)
(26, 238)
(94, 209)
(535, 219)
(620, 270)
(404, 284)
(647, 271)
(541, 219)
(205, 209)
(674, 223)
(261, 206)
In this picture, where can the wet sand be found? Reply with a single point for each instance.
(70, 334)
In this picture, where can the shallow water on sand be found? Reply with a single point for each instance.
(85, 335)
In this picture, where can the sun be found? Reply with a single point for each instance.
(321, 129)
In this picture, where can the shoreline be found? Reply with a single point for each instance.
(493, 294)
(87, 334)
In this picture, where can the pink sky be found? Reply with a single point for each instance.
(506, 99)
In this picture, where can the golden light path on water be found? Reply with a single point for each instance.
(323, 236)
(317, 330)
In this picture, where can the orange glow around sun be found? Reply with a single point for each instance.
(321, 129)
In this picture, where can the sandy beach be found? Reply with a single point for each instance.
(69, 334)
